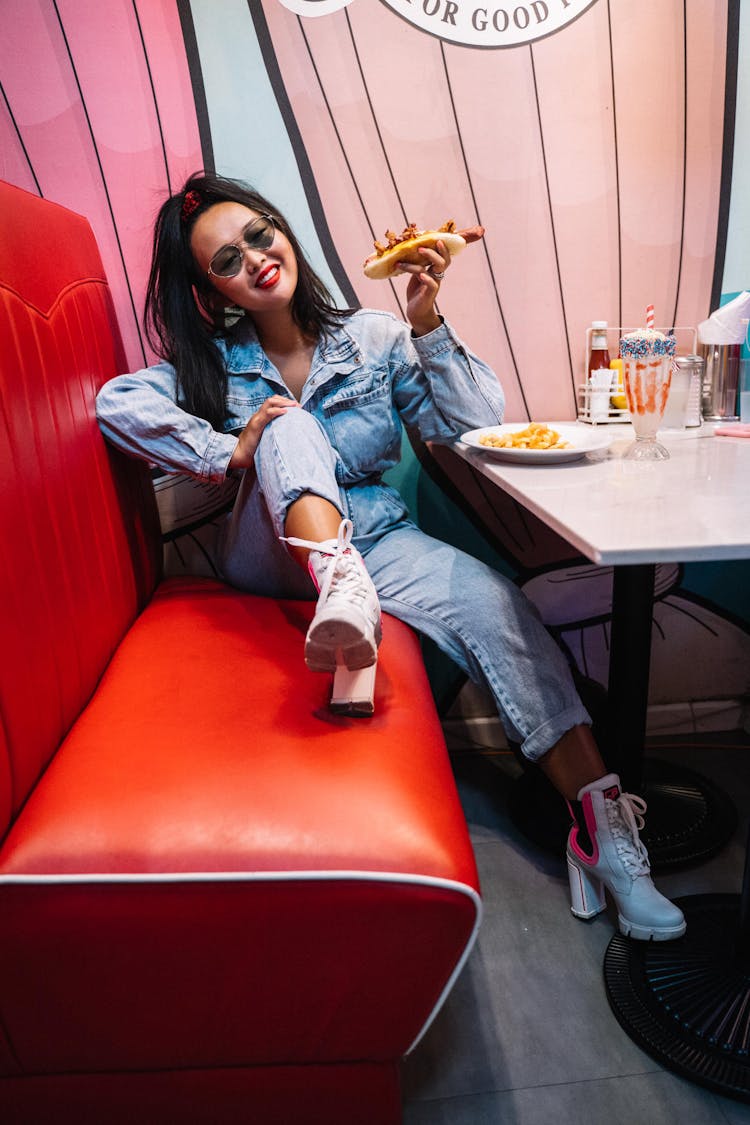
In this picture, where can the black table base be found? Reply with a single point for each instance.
(689, 819)
(687, 1002)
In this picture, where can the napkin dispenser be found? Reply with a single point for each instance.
(721, 337)
(720, 382)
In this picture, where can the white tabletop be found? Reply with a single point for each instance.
(695, 506)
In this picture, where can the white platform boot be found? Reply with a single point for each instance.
(605, 851)
(345, 632)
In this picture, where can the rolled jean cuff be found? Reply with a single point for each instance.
(549, 734)
(279, 511)
(294, 457)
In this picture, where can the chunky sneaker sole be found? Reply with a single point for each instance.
(650, 933)
(337, 638)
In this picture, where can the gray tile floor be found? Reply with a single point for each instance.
(527, 1036)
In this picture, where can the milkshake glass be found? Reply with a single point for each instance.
(647, 370)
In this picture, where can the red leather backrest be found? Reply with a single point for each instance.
(79, 539)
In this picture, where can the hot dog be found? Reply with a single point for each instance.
(405, 248)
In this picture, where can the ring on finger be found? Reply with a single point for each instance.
(438, 276)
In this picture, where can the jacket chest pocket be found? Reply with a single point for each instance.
(363, 422)
(241, 407)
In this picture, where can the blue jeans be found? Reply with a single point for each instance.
(474, 614)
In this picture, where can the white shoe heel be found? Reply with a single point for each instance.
(587, 898)
(353, 692)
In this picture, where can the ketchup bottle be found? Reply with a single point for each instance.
(599, 355)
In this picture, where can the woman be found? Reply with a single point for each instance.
(307, 402)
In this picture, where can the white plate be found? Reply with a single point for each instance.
(582, 441)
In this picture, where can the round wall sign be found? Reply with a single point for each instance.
(501, 23)
(497, 24)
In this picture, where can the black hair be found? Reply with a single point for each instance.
(184, 313)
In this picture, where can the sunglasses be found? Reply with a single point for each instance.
(257, 235)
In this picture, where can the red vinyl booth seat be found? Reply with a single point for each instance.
(218, 902)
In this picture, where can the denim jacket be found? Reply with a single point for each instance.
(368, 375)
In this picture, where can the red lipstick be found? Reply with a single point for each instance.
(268, 277)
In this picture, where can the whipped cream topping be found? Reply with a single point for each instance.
(646, 342)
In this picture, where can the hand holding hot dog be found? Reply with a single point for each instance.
(397, 250)
(426, 255)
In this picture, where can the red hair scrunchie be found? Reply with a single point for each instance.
(190, 203)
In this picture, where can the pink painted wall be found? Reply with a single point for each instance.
(595, 174)
(82, 125)
(596, 171)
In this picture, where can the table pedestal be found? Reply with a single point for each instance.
(687, 1002)
(689, 819)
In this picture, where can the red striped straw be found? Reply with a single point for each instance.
(649, 316)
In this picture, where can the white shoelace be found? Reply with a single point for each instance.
(625, 817)
(343, 576)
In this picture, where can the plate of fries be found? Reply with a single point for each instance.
(537, 442)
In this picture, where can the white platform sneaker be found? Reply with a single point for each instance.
(345, 631)
(605, 851)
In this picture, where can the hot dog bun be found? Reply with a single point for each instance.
(384, 262)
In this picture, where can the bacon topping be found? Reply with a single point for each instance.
(412, 231)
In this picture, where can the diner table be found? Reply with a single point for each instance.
(686, 1002)
(631, 515)
(693, 507)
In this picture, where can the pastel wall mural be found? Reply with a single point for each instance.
(599, 142)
